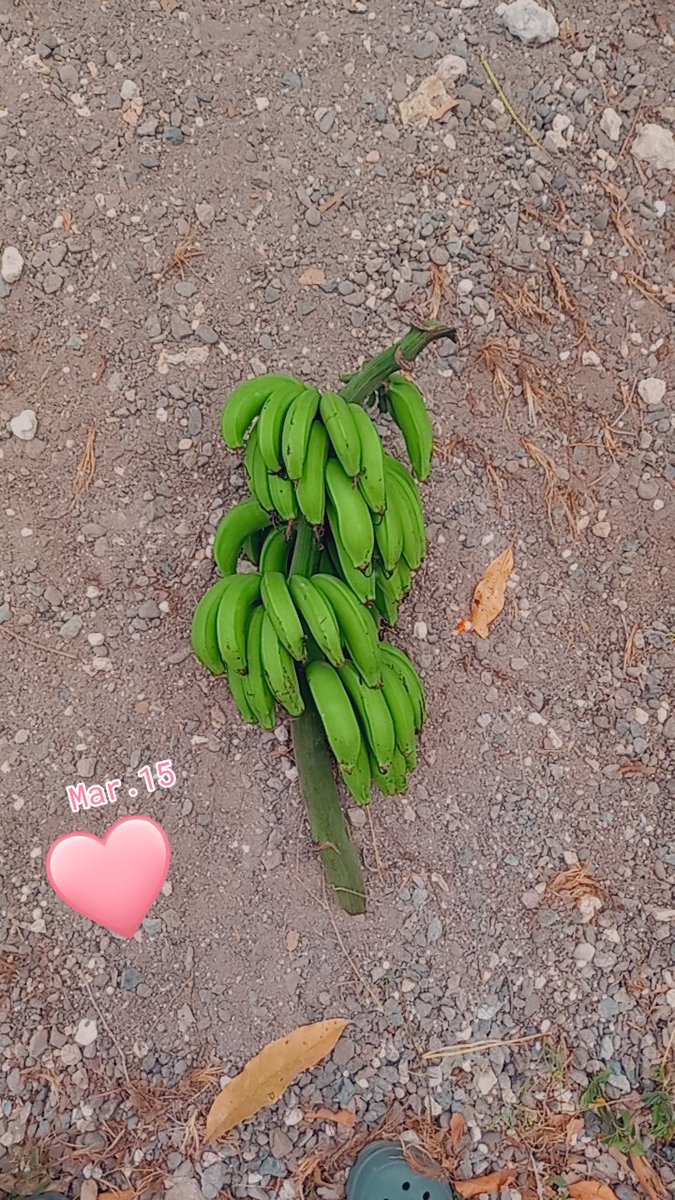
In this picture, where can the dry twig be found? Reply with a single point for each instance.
(509, 107)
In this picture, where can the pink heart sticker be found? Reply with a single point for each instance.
(113, 880)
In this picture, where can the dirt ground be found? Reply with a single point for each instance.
(170, 174)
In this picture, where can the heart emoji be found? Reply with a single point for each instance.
(113, 880)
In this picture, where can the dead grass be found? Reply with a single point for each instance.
(644, 287)
(556, 494)
(577, 883)
(439, 290)
(86, 471)
(445, 449)
(559, 220)
(521, 304)
(183, 253)
(620, 215)
(498, 358)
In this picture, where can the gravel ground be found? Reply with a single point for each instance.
(192, 192)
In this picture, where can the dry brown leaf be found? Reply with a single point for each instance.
(430, 102)
(574, 1127)
(169, 6)
(485, 1183)
(265, 1078)
(650, 1181)
(591, 1189)
(313, 277)
(342, 1117)
(124, 1194)
(457, 1129)
(489, 596)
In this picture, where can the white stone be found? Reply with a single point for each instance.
(652, 391)
(451, 68)
(655, 145)
(610, 124)
(205, 213)
(486, 1081)
(12, 264)
(129, 89)
(529, 22)
(24, 425)
(86, 1032)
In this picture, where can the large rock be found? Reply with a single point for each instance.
(24, 425)
(529, 22)
(655, 145)
(12, 264)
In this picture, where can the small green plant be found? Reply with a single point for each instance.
(621, 1127)
(556, 1058)
(661, 1108)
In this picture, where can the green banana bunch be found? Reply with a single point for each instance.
(333, 529)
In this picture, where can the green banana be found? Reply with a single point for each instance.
(283, 614)
(318, 616)
(358, 781)
(311, 486)
(409, 676)
(238, 690)
(256, 687)
(252, 547)
(233, 618)
(274, 552)
(371, 480)
(407, 407)
(336, 712)
(257, 471)
(279, 669)
(404, 576)
(389, 538)
(297, 428)
(238, 524)
(387, 597)
(283, 497)
(271, 423)
(362, 583)
(203, 631)
(374, 714)
(403, 494)
(339, 421)
(305, 551)
(401, 708)
(246, 401)
(358, 631)
(352, 515)
(393, 782)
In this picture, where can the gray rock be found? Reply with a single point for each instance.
(12, 264)
(655, 145)
(24, 425)
(610, 124)
(149, 610)
(652, 391)
(184, 1189)
(52, 283)
(529, 22)
(205, 214)
(180, 328)
(70, 628)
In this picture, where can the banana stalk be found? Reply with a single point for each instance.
(326, 819)
(312, 754)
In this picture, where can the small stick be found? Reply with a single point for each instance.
(467, 1047)
(112, 1035)
(509, 107)
(37, 646)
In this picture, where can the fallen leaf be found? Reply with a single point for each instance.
(169, 6)
(650, 1181)
(342, 1117)
(489, 596)
(485, 1183)
(457, 1129)
(591, 1189)
(265, 1078)
(313, 277)
(125, 1194)
(430, 102)
(574, 1127)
